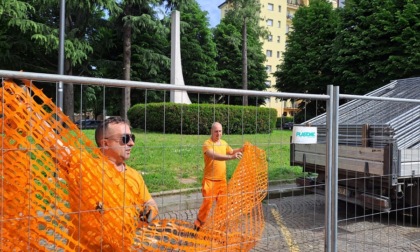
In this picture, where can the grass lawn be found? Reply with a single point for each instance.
(170, 161)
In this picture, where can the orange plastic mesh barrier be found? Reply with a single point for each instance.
(59, 193)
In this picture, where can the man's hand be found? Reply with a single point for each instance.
(149, 212)
(237, 155)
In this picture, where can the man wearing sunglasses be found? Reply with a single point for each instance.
(114, 137)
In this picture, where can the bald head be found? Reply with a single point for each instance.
(216, 131)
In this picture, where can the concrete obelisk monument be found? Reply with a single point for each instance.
(176, 66)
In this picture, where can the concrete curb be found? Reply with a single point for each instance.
(191, 198)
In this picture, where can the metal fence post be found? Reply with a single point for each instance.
(331, 170)
(328, 168)
(61, 56)
(334, 170)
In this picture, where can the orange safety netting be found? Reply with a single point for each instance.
(59, 193)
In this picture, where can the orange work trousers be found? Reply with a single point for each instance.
(211, 191)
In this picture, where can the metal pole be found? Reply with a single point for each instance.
(334, 170)
(328, 169)
(61, 53)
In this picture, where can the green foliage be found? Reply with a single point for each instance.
(377, 43)
(246, 11)
(198, 50)
(15, 8)
(94, 47)
(363, 46)
(360, 47)
(306, 66)
(407, 27)
(245, 17)
(228, 38)
(198, 118)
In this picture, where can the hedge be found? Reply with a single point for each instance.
(198, 118)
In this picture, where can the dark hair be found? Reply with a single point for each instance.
(103, 127)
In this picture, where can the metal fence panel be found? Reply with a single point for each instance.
(359, 190)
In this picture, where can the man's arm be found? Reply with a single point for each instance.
(236, 154)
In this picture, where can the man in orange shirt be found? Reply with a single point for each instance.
(216, 151)
(116, 140)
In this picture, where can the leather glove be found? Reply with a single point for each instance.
(149, 212)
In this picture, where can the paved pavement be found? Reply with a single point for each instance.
(190, 199)
(294, 221)
(184, 204)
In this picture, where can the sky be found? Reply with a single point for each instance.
(214, 13)
(211, 7)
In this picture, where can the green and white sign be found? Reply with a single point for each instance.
(304, 135)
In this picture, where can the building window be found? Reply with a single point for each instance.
(268, 83)
(268, 68)
(270, 7)
(278, 39)
(270, 38)
(278, 24)
(269, 22)
(287, 29)
(278, 54)
(269, 53)
(279, 8)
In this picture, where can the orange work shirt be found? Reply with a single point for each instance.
(136, 182)
(215, 169)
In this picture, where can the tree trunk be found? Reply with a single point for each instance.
(68, 93)
(125, 100)
(244, 62)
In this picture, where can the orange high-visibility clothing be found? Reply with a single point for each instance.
(211, 191)
(215, 169)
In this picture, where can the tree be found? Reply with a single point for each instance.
(228, 38)
(405, 60)
(41, 27)
(307, 62)
(137, 14)
(151, 59)
(198, 50)
(17, 48)
(247, 13)
(362, 45)
(306, 65)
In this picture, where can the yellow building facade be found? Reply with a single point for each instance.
(276, 16)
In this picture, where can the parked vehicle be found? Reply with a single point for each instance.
(87, 124)
(287, 125)
(378, 151)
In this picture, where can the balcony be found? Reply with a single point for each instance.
(294, 4)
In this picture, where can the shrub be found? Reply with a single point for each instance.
(198, 118)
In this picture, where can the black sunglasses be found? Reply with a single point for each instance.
(125, 138)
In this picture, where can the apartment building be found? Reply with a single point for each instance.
(276, 16)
